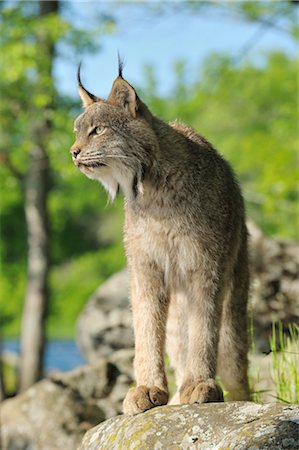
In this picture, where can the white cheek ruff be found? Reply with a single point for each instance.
(109, 183)
(118, 176)
(112, 178)
(103, 175)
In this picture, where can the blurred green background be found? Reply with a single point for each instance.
(244, 99)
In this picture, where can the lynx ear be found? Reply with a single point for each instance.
(123, 94)
(86, 97)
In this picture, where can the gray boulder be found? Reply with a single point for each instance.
(234, 426)
(56, 412)
(275, 284)
(105, 324)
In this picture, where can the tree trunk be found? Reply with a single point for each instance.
(36, 298)
(36, 189)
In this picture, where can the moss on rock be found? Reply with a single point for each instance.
(218, 426)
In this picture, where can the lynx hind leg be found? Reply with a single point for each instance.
(177, 340)
(232, 364)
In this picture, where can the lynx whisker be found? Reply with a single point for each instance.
(101, 157)
(118, 156)
(90, 160)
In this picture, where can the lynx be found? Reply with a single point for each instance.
(186, 245)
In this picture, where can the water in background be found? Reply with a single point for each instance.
(60, 355)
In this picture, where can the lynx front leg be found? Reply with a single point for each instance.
(149, 304)
(204, 303)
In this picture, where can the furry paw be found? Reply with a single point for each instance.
(142, 398)
(201, 392)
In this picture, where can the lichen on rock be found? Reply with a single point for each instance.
(212, 426)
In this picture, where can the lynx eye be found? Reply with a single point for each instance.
(96, 131)
(99, 130)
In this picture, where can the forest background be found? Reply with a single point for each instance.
(245, 104)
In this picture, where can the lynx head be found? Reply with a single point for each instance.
(115, 142)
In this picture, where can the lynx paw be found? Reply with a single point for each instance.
(201, 392)
(142, 398)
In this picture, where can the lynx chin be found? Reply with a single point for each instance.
(186, 247)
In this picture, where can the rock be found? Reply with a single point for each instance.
(56, 412)
(111, 404)
(105, 325)
(234, 426)
(275, 285)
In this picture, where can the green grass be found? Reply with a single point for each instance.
(255, 372)
(280, 373)
(285, 362)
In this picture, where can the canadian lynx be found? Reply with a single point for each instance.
(186, 246)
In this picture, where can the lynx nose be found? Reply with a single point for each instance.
(75, 151)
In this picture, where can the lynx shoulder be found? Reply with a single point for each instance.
(186, 246)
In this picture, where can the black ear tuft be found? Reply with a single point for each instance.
(78, 74)
(82, 89)
(120, 66)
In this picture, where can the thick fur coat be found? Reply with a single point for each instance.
(186, 246)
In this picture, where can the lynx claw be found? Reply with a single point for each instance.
(142, 398)
(201, 392)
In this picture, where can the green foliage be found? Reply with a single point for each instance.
(73, 282)
(10, 378)
(12, 288)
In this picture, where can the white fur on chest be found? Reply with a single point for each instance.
(176, 253)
